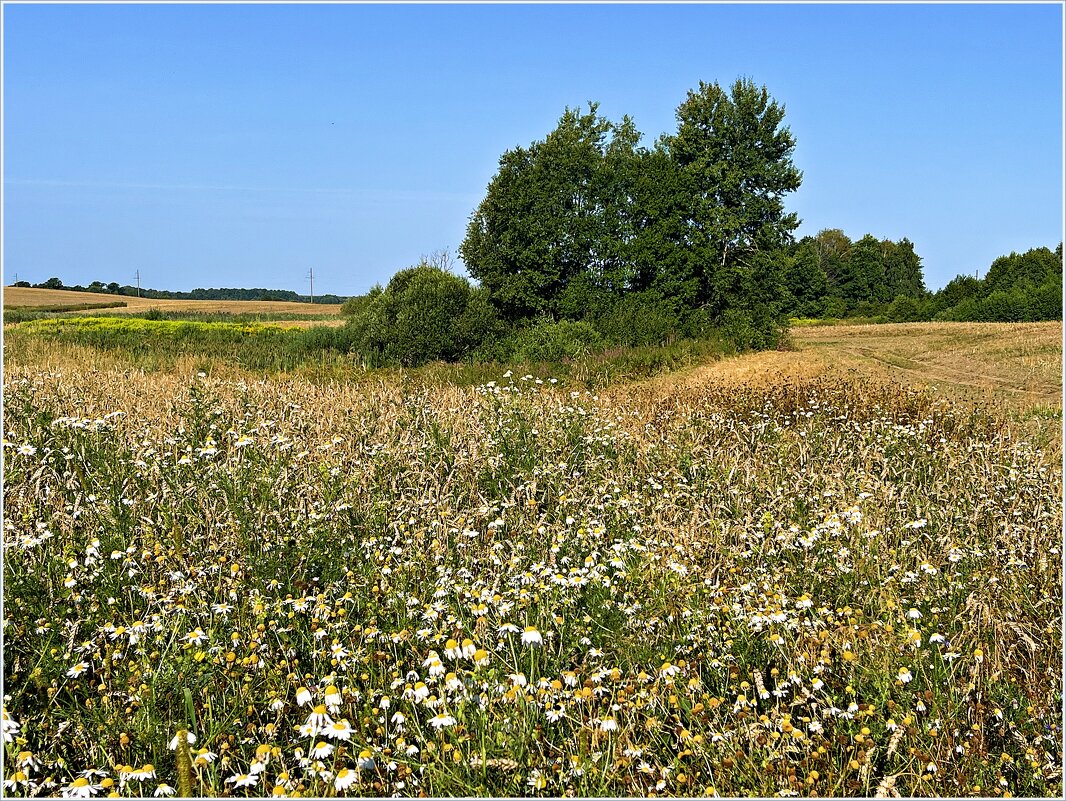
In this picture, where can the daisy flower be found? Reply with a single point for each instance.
(339, 730)
(189, 738)
(345, 778)
(333, 698)
(531, 636)
(80, 788)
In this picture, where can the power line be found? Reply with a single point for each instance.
(311, 275)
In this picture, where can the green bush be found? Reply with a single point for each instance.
(640, 318)
(904, 310)
(424, 314)
(544, 341)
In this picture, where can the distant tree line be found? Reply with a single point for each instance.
(830, 276)
(1025, 287)
(114, 288)
(586, 239)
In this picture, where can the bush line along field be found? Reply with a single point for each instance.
(810, 585)
(325, 353)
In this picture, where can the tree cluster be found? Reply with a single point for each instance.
(583, 222)
(1020, 287)
(829, 275)
(586, 239)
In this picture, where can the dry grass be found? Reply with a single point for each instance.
(21, 296)
(1019, 362)
(745, 582)
(1012, 367)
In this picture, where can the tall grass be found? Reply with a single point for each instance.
(820, 587)
(324, 353)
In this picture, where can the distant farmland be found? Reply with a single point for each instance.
(21, 296)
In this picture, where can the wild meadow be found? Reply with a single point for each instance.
(524, 587)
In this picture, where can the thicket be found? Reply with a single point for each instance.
(1025, 287)
(829, 275)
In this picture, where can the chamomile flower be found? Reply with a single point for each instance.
(190, 738)
(345, 778)
(319, 718)
(338, 730)
(80, 788)
(441, 720)
(531, 636)
(332, 697)
(904, 675)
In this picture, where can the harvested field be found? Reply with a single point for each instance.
(21, 296)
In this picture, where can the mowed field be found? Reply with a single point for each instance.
(23, 297)
(834, 571)
(1011, 367)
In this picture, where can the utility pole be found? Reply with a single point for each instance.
(311, 275)
(138, 277)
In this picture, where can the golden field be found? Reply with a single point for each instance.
(22, 296)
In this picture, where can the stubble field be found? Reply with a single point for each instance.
(789, 573)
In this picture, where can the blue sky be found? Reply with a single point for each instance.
(241, 145)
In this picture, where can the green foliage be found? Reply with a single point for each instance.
(735, 159)
(424, 314)
(640, 318)
(358, 304)
(905, 309)
(829, 275)
(553, 211)
(573, 225)
(545, 340)
(1018, 288)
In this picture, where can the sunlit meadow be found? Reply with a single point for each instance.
(822, 588)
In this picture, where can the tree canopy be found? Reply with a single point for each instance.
(576, 221)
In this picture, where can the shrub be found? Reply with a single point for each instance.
(640, 318)
(904, 310)
(424, 314)
(545, 341)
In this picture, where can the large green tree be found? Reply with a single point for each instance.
(735, 160)
(553, 211)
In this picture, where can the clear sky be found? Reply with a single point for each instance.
(241, 145)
